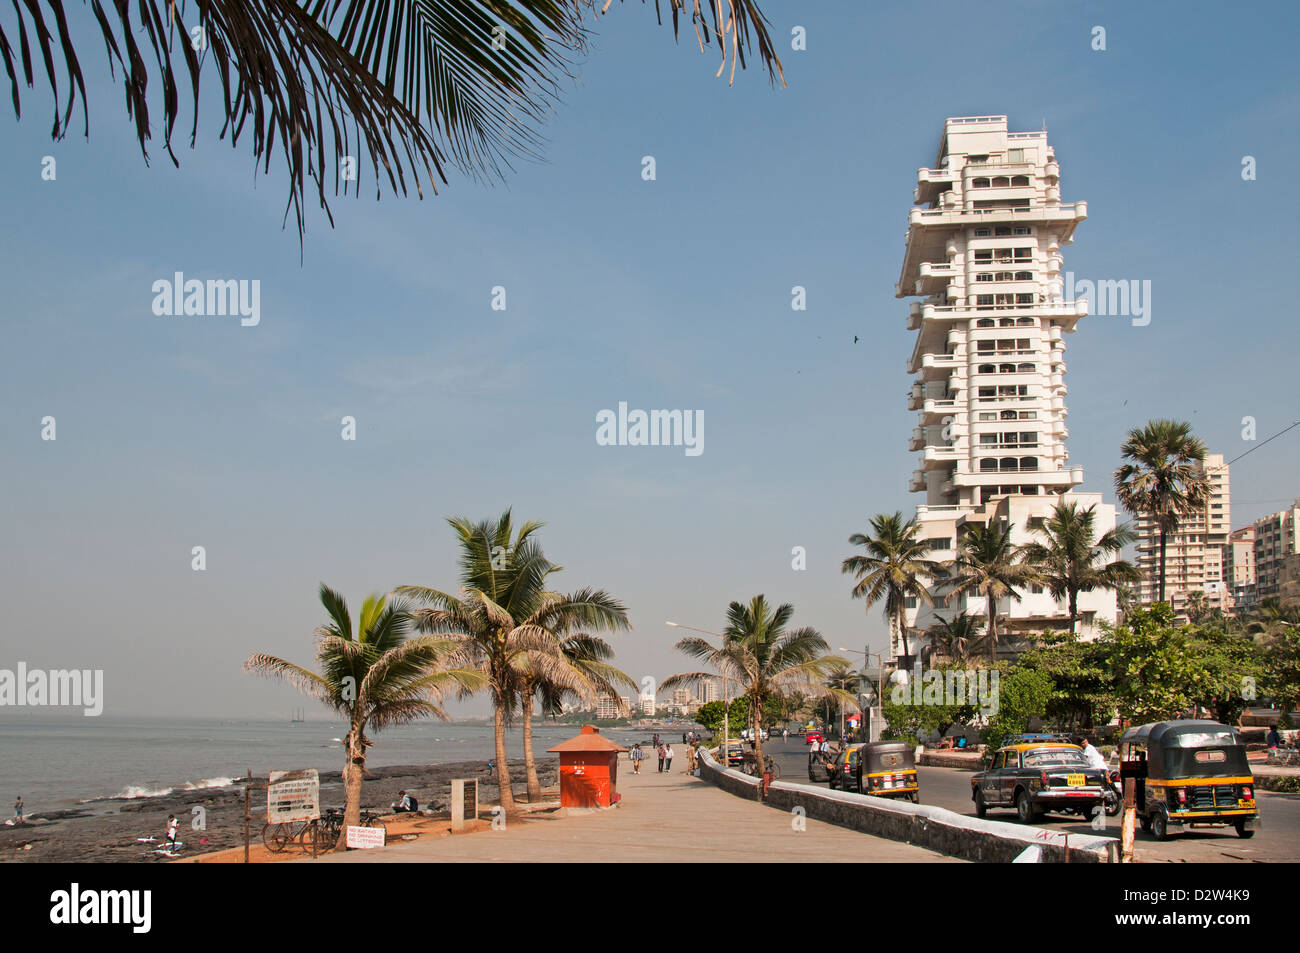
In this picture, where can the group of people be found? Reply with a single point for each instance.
(663, 749)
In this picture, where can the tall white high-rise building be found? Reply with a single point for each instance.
(984, 254)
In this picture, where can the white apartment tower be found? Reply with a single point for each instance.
(984, 254)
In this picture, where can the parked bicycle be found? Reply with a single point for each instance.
(321, 834)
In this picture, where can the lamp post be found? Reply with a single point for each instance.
(726, 694)
(877, 709)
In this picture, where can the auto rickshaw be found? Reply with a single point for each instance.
(1190, 773)
(887, 769)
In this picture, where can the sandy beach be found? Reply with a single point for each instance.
(83, 835)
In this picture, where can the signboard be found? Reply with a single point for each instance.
(292, 796)
(364, 838)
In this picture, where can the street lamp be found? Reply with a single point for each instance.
(879, 706)
(726, 695)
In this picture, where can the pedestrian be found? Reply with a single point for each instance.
(636, 754)
(1274, 741)
(683, 737)
(173, 826)
(668, 757)
(690, 758)
(18, 810)
(1095, 757)
(660, 751)
(785, 734)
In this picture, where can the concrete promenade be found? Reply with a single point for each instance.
(663, 818)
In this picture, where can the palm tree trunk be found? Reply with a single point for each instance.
(353, 771)
(1074, 611)
(530, 766)
(507, 795)
(993, 626)
(756, 716)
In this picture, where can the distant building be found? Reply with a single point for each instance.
(1194, 553)
(1239, 567)
(682, 697)
(709, 691)
(1277, 537)
(648, 703)
(608, 706)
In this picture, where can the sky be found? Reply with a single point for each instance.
(183, 431)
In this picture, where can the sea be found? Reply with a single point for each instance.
(94, 763)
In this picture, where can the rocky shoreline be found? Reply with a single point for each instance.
(84, 835)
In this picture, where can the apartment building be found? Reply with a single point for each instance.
(984, 255)
(1195, 558)
(1239, 567)
(1276, 538)
(609, 706)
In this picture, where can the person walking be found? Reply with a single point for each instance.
(18, 810)
(173, 826)
(1274, 741)
(636, 754)
(660, 751)
(668, 757)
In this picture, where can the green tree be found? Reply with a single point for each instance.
(415, 87)
(956, 638)
(1153, 665)
(1083, 684)
(511, 626)
(1231, 666)
(917, 710)
(372, 675)
(1163, 480)
(1023, 694)
(988, 565)
(1073, 559)
(896, 567)
(761, 657)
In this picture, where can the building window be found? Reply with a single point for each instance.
(1002, 230)
(1020, 180)
(986, 369)
(988, 465)
(984, 323)
(1022, 230)
(1015, 156)
(984, 276)
(983, 233)
(979, 183)
(1028, 463)
(1025, 276)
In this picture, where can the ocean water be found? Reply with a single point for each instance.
(60, 763)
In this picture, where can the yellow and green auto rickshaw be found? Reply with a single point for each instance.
(887, 769)
(1189, 773)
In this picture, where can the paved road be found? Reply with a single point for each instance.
(663, 817)
(1278, 839)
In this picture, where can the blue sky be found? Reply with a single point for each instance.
(182, 431)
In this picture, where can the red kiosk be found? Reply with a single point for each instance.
(588, 769)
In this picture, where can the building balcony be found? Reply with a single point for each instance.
(937, 409)
(917, 482)
(949, 217)
(940, 457)
(1052, 170)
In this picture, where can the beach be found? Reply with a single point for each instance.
(109, 832)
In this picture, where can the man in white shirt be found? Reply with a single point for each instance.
(1095, 759)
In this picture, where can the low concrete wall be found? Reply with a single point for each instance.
(968, 761)
(920, 824)
(729, 779)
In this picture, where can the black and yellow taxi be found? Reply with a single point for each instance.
(1189, 773)
(842, 772)
(1039, 776)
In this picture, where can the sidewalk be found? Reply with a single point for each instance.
(663, 818)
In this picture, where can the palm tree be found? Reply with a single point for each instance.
(589, 656)
(1074, 560)
(414, 86)
(762, 658)
(957, 637)
(1164, 479)
(510, 625)
(1271, 618)
(894, 569)
(988, 564)
(374, 676)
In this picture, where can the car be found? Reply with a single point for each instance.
(843, 773)
(813, 737)
(1037, 777)
(735, 753)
